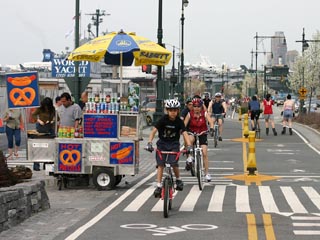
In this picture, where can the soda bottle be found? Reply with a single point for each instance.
(76, 133)
(60, 134)
(80, 132)
(68, 132)
(72, 132)
(64, 132)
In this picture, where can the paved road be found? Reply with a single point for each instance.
(287, 207)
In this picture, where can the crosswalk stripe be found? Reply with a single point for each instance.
(242, 199)
(293, 200)
(191, 199)
(313, 195)
(267, 199)
(217, 198)
(135, 205)
(158, 207)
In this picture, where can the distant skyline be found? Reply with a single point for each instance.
(223, 31)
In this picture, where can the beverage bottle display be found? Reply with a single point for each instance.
(64, 132)
(76, 133)
(60, 134)
(68, 132)
(72, 132)
(96, 98)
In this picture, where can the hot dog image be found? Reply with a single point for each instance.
(21, 81)
(122, 153)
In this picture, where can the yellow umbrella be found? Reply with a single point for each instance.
(122, 49)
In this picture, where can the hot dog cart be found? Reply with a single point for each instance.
(105, 149)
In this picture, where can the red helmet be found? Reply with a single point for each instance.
(197, 102)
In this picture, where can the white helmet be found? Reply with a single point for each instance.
(218, 94)
(172, 103)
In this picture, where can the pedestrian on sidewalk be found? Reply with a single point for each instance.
(14, 126)
(288, 111)
(268, 113)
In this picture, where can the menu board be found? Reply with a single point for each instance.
(100, 126)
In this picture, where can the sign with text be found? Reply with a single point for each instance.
(100, 126)
(121, 152)
(23, 90)
(70, 157)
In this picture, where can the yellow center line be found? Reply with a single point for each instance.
(252, 227)
(268, 227)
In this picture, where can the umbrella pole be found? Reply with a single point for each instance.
(121, 74)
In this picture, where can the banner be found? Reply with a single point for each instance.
(23, 90)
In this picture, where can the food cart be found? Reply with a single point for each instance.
(104, 149)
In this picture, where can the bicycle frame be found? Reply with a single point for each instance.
(216, 129)
(198, 156)
(167, 181)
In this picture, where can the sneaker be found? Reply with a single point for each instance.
(188, 166)
(190, 159)
(157, 192)
(208, 177)
(220, 138)
(179, 184)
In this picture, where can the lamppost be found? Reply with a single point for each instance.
(184, 4)
(256, 53)
(305, 46)
(159, 86)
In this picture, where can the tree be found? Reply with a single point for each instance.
(307, 67)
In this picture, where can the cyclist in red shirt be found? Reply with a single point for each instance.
(268, 114)
(196, 120)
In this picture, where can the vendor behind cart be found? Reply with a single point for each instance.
(71, 113)
(45, 117)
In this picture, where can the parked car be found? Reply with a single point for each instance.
(313, 106)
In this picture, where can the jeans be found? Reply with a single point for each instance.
(16, 133)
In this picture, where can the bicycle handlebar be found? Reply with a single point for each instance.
(198, 134)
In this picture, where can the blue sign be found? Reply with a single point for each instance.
(23, 90)
(121, 153)
(100, 126)
(70, 157)
(62, 68)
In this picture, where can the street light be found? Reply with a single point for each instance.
(256, 52)
(159, 86)
(184, 4)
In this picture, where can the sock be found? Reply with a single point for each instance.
(159, 185)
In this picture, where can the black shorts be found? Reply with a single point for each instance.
(203, 139)
(170, 147)
(255, 114)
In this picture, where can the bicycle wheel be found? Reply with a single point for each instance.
(199, 170)
(193, 170)
(215, 139)
(166, 198)
(257, 129)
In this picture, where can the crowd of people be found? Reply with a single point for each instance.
(197, 117)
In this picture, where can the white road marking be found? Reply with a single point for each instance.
(217, 198)
(313, 195)
(190, 200)
(105, 211)
(267, 199)
(302, 232)
(242, 199)
(293, 200)
(140, 200)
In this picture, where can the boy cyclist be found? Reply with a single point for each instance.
(169, 128)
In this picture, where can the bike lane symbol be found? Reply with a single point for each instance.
(163, 231)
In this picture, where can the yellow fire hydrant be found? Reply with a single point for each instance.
(245, 125)
(252, 163)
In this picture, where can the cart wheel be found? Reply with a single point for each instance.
(149, 121)
(103, 178)
(118, 179)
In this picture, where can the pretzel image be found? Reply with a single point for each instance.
(122, 153)
(20, 96)
(21, 81)
(67, 157)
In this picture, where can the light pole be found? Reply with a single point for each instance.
(159, 86)
(256, 53)
(96, 18)
(184, 4)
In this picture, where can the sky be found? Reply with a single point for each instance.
(221, 30)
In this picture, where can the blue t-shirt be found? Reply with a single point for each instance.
(254, 106)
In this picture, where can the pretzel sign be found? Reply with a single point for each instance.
(22, 97)
(70, 158)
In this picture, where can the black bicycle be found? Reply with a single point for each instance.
(216, 129)
(168, 187)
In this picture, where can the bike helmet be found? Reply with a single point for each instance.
(218, 94)
(197, 102)
(172, 103)
(189, 100)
